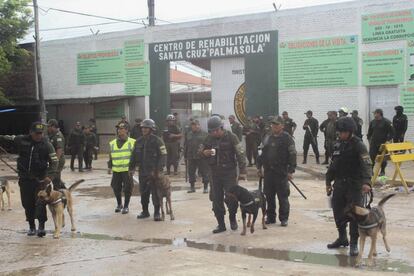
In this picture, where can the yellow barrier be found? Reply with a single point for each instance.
(393, 151)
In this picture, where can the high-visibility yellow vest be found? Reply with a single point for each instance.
(120, 156)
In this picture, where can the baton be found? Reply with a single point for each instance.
(296, 187)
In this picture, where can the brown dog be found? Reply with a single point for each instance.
(370, 222)
(5, 188)
(57, 201)
(162, 185)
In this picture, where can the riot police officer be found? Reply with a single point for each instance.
(149, 155)
(58, 141)
(278, 159)
(400, 123)
(193, 141)
(351, 172)
(311, 127)
(76, 145)
(36, 165)
(223, 152)
(289, 125)
(172, 136)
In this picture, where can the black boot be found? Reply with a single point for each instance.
(144, 213)
(305, 158)
(32, 228)
(317, 160)
(342, 240)
(353, 249)
(221, 227)
(205, 190)
(192, 188)
(118, 208)
(41, 231)
(233, 222)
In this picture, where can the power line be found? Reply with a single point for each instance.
(47, 9)
(85, 26)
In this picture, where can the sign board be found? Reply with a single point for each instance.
(410, 61)
(214, 47)
(383, 67)
(109, 110)
(388, 26)
(125, 66)
(101, 67)
(407, 99)
(317, 63)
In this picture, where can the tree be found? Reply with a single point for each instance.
(15, 20)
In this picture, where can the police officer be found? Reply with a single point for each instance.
(124, 121)
(223, 152)
(343, 112)
(236, 127)
(76, 145)
(379, 132)
(136, 131)
(172, 136)
(310, 126)
(351, 172)
(252, 132)
(149, 155)
(193, 141)
(36, 165)
(90, 146)
(278, 159)
(330, 135)
(288, 123)
(92, 126)
(359, 122)
(400, 123)
(322, 128)
(58, 141)
(120, 154)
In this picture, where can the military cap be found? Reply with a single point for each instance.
(309, 112)
(53, 122)
(37, 127)
(277, 120)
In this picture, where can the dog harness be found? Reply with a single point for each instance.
(61, 199)
(256, 200)
(373, 225)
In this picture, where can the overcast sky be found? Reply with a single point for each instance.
(168, 10)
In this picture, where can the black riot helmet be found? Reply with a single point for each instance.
(214, 123)
(149, 123)
(346, 124)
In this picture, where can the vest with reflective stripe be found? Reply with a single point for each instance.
(121, 156)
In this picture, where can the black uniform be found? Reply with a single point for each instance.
(149, 155)
(36, 161)
(173, 147)
(278, 159)
(90, 144)
(350, 169)
(252, 132)
(76, 145)
(359, 123)
(379, 132)
(58, 142)
(237, 130)
(192, 145)
(310, 138)
(223, 169)
(94, 130)
(289, 125)
(400, 123)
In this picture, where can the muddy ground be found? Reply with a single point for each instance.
(106, 243)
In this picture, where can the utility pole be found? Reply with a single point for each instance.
(39, 84)
(151, 12)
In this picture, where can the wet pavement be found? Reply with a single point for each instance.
(106, 243)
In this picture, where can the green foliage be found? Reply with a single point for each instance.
(15, 20)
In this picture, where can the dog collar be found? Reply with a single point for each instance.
(368, 226)
(247, 204)
(56, 201)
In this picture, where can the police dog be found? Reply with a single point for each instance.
(162, 185)
(370, 222)
(57, 201)
(250, 203)
(5, 189)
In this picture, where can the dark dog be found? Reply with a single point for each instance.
(162, 185)
(250, 203)
(57, 201)
(370, 222)
(5, 188)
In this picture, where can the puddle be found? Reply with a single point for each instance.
(107, 192)
(287, 255)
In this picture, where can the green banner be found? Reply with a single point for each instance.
(101, 67)
(109, 110)
(394, 25)
(316, 63)
(407, 99)
(125, 66)
(383, 67)
(137, 82)
(410, 61)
